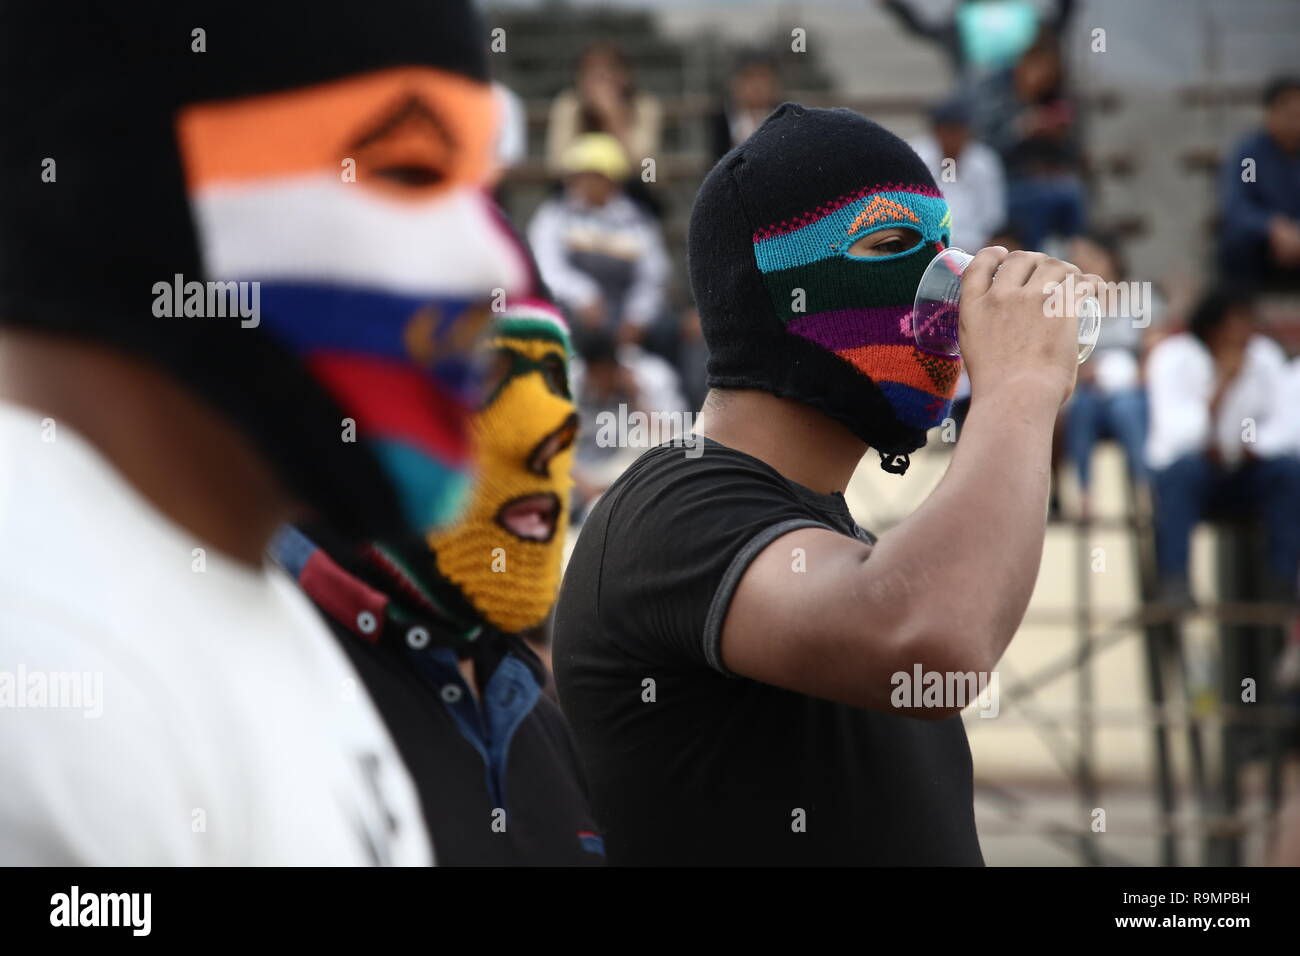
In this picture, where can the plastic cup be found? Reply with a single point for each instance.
(936, 310)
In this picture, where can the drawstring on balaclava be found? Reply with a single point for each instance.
(787, 309)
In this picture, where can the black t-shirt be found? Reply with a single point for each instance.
(688, 763)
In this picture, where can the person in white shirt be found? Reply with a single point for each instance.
(1109, 400)
(1219, 440)
(968, 172)
(1291, 405)
(601, 254)
(166, 699)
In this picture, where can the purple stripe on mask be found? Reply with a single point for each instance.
(852, 328)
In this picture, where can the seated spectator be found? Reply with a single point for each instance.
(972, 182)
(604, 100)
(601, 254)
(1109, 401)
(1291, 406)
(1218, 442)
(693, 359)
(1024, 113)
(1007, 236)
(1260, 200)
(754, 91)
(613, 380)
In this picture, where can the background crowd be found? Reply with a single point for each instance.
(1199, 398)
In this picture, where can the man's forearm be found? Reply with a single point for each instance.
(980, 533)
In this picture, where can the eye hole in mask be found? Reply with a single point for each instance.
(410, 147)
(412, 175)
(885, 244)
(504, 364)
(557, 378)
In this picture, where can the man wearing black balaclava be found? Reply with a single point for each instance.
(729, 644)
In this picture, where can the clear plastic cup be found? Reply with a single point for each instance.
(938, 297)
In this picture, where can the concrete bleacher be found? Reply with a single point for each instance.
(1178, 84)
(543, 45)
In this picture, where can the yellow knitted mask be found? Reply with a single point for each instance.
(504, 555)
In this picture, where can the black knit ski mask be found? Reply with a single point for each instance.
(786, 309)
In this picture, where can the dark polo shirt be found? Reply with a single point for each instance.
(497, 774)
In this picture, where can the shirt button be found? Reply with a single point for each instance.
(366, 622)
(450, 693)
(417, 638)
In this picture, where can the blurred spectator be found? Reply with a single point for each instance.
(1291, 403)
(981, 35)
(604, 100)
(1023, 112)
(1109, 401)
(1007, 236)
(972, 182)
(1218, 442)
(755, 90)
(1259, 195)
(601, 254)
(613, 380)
(693, 360)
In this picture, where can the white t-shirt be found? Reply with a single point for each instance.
(1180, 384)
(975, 190)
(1291, 406)
(204, 713)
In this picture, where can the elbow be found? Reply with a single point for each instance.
(940, 669)
(950, 645)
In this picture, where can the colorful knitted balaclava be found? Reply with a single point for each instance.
(504, 554)
(330, 161)
(785, 308)
(500, 563)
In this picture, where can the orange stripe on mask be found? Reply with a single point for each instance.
(429, 128)
(906, 365)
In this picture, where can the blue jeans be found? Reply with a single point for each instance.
(1267, 488)
(1092, 416)
(1047, 206)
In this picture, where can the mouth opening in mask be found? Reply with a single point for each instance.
(531, 517)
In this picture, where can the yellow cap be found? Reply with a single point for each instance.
(596, 153)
